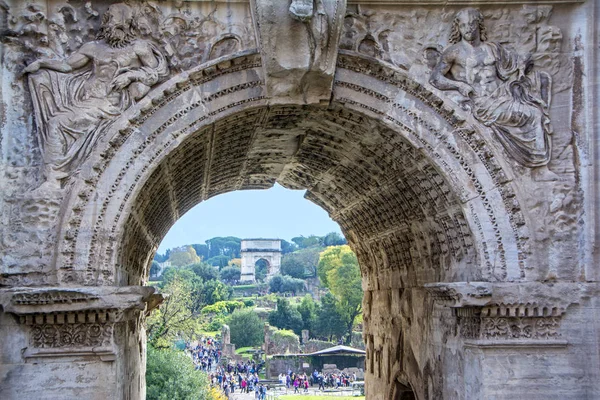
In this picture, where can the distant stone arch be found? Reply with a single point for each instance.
(256, 251)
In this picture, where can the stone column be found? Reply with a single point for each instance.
(74, 342)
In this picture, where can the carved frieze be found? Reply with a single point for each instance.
(520, 328)
(501, 89)
(54, 297)
(74, 332)
(71, 335)
(509, 322)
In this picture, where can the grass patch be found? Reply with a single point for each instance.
(244, 350)
(243, 287)
(311, 397)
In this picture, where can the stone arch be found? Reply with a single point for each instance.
(439, 168)
(418, 189)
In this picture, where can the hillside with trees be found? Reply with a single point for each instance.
(318, 290)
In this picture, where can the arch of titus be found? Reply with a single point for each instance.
(254, 250)
(456, 142)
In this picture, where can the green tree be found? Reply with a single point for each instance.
(214, 291)
(229, 246)
(275, 283)
(205, 271)
(292, 266)
(308, 310)
(247, 330)
(339, 271)
(171, 375)
(201, 251)
(287, 247)
(162, 257)
(219, 261)
(301, 263)
(285, 284)
(330, 322)
(184, 255)
(230, 274)
(192, 282)
(174, 317)
(305, 242)
(286, 316)
(334, 239)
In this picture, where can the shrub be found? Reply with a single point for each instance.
(247, 330)
(283, 284)
(170, 375)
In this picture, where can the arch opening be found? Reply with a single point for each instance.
(380, 188)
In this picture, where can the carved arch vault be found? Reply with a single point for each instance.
(413, 184)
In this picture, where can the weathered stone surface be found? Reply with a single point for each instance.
(460, 163)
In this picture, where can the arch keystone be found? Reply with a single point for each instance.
(299, 43)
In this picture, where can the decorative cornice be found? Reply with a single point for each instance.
(51, 297)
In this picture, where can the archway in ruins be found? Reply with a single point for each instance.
(456, 147)
(378, 158)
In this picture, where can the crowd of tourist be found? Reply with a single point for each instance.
(243, 376)
(230, 377)
(301, 382)
(205, 353)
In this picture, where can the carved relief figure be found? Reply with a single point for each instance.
(77, 98)
(312, 13)
(502, 90)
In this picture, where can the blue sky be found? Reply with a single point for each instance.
(274, 213)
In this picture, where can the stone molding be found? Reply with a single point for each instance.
(53, 297)
(30, 301)
(76, 322)
(505, 328)
(487, 314)
(69, 334)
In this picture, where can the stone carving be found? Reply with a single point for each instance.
(444, 294)
(187, 37)
(77, 98)
(312, 13)
(55, 297)
(509, 321)
(520, 328)
(63, 32)
(368, 33)
(71, 335)
(306, 73)
(502, 91)
(191, 39)
(91, 328)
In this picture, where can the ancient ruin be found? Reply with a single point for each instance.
(255, 250)
(455, 142)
